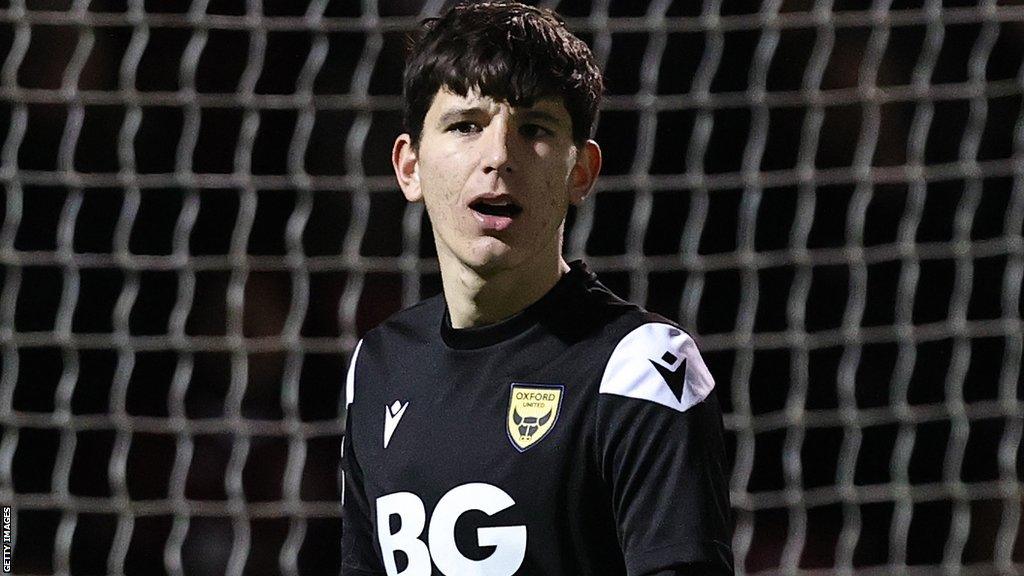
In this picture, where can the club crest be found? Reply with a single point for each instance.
(532, 412)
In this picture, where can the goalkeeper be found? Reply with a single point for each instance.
(527, 420)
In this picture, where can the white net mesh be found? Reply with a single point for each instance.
(199, 220)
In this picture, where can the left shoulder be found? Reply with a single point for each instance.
(655, 360)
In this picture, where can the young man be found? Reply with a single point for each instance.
(525, 421)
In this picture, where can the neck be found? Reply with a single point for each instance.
(478, 298)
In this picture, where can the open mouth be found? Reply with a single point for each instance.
(504, 209)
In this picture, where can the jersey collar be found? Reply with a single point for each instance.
(481, 336)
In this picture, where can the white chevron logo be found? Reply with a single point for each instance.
(392, 414)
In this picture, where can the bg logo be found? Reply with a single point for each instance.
(509, 541)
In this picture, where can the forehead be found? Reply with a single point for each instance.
(447, 102)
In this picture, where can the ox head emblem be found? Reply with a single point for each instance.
(528, 425)
(532, 413)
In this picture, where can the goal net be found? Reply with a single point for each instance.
(199, 220)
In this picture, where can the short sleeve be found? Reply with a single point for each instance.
(357, 552)
(662, 453)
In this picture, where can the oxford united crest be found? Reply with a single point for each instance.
(532, 412)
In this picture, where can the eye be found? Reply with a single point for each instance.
(464, 127)
(534, 131)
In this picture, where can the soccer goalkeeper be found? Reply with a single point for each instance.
(527, 420)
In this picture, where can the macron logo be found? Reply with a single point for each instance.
(676, 379)
(392, 414)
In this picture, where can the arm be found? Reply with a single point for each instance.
(357, 551)
(663, 456)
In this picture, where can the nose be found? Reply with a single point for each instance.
(496, 152)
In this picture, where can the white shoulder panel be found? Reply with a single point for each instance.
(660, 363)
(350, 379)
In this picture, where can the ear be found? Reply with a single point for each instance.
(406, 164)
(584, 171)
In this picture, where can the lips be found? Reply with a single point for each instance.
(499, 208)
(495, 212)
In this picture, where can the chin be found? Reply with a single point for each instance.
(489, 255)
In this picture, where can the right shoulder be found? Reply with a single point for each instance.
(404, 330)
(420, 321)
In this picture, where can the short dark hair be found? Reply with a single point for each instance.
(507, 51)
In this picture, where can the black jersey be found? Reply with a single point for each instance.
(580, 436)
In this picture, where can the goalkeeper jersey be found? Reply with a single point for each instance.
(580, 436)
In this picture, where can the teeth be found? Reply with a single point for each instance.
(500, 208)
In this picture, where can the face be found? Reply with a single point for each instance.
(497, 180)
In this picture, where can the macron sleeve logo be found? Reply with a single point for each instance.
(658, 363)
(676, 379)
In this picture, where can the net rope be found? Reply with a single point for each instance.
(785, 523)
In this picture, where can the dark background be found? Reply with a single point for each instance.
(196, 233)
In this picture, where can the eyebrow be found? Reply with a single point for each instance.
(456, 114)
(542, 115)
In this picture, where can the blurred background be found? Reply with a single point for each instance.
(199, 221)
